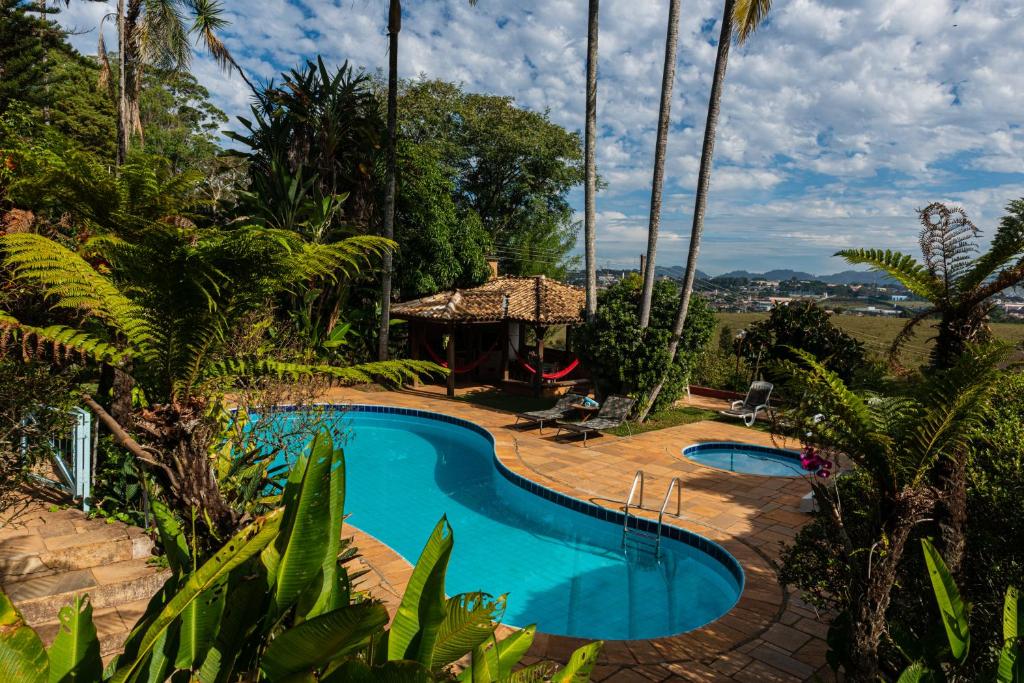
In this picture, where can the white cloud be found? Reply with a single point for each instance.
(831, 112)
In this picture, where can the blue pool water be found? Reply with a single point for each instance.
(746, 458)
(563, 570)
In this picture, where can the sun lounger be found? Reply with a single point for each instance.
(561, 409)
(613, 413)
(755, 402)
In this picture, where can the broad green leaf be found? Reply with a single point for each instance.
(200, 622)
(422, 609)
(1012, 615)
(580, 664)
(75, 652)
(242, 546)
(22, 657)
(915, 673)
(540, 672)
(245, 604)
(330, 595)
(1011, 666)
(172, 539)
(469, 621)
(513, 647)
(304, 543)
(317, 641)
(951, 606)
(398, 671)
(484, 666)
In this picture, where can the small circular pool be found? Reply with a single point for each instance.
(746, 459)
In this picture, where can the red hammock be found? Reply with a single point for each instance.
(465, 368)
(551, 375)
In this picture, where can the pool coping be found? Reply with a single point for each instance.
(760, 604)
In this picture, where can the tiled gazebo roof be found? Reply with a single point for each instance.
(534, 300)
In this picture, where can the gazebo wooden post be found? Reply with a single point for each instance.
(415, 336)
(504, 350)
(451, 360)
(538, 376)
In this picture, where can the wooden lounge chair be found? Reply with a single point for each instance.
(755, 402)
(561, 409)
(613, 413)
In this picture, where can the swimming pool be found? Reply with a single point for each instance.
(560, 560)
(746, 459)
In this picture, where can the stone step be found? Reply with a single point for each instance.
(78, 544)
(40, 598)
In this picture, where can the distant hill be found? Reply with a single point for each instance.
(846, 277)
(677, 272)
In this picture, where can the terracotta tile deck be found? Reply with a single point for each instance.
(768, 635)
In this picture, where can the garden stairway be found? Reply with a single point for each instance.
(50, 555)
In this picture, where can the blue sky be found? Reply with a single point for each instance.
(838, 118)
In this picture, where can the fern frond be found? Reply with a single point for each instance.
(392, 372)
(61, 340)
(67, 278)
(901, 267)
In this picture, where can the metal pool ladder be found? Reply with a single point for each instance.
(638, 488)
(677, 485)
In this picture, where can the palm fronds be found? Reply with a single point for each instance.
(391, 372)
(747, 15)
(901, 267)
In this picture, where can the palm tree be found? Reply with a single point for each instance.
(958, 287)
(156, 32)
(388, 230)
(590, 161)
(668, 77)
(746, 16)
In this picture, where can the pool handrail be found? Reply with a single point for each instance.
(678, 486)
(638, 478)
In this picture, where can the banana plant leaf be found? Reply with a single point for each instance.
(580, 664)
(244, 545)
(22, 657)
(200, 622)
(485, 666)
(469, 621)
(1011, 664)
(317, 641)
(356, 671)
(422, 610)
(75, 652)
(951, 606)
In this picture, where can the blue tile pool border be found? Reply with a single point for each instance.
(707, 546)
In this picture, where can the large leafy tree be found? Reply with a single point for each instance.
(510, 166)
(740, 18)
(956, 280)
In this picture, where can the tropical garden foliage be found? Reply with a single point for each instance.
(626, 359)
(278, 602)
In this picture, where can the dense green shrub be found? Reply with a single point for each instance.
(624, 359)
(801, 325)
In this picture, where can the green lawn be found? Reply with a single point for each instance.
(510, 403)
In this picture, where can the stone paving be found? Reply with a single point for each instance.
(768, 636)
(48, 555)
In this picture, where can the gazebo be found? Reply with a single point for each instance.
(485, 329)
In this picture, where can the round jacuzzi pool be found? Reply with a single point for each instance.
(561, 560)
(746, 459)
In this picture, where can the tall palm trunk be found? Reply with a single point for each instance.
(700, 204)
(590, 161)
(122, 91)
(394, 26)
(668, 77)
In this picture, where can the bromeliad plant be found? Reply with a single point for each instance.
(277, 603)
